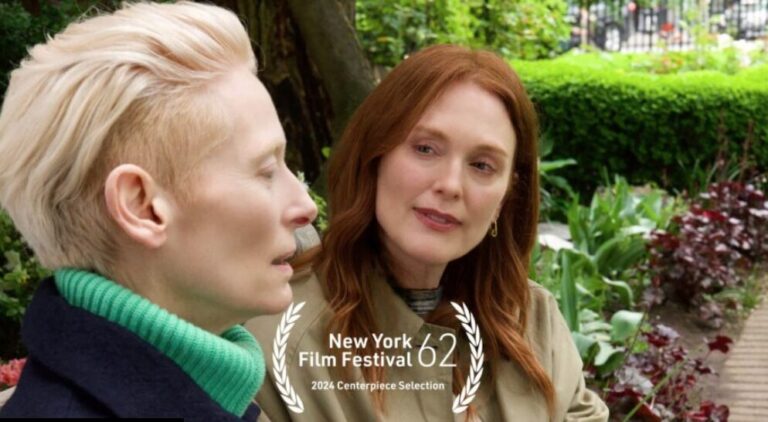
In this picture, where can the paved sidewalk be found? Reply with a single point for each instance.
(744, 378)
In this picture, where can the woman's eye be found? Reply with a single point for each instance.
(271, 169)
(268, 173)
(483, 166)
(424, 149)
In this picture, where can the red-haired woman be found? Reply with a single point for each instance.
(434, 199)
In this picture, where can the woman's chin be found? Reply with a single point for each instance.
(436, 255)
(275, 301)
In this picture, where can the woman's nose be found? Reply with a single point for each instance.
(449, 183)
(302, 209)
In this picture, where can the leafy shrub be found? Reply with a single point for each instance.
(617, 210)
(607, 245)
(730, 59)
(555, 193)
(725, 230)
(609, 241)
(603, 345)
(746, 207)
(590, 275)
(650, 376)
(661, 382)
(568, 275)
(647, 127)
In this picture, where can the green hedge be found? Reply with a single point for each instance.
(647, 127)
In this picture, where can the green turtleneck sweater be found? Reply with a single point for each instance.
(230, 367)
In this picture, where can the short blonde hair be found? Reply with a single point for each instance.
(126, 87)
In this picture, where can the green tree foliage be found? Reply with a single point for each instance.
(526, 29)
(20, 29)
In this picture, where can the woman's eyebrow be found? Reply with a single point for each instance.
(276, 149)
(493, 149)
(433, 132)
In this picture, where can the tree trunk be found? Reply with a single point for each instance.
(333, 47)
(31, 6)
(313, 66)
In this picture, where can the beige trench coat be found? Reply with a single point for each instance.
(507, 397)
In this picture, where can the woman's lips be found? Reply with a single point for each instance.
(282, 262)
(436, 220)
(286, 268)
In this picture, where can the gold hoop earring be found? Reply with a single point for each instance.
(494, 229)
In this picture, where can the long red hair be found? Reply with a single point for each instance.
(499, 294)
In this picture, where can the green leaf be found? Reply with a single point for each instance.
(583, 291)
(605, 353)
(611, 361)
(560, 183)
(547, 166)
(642, 228)
(12, 260)
(622, 289)
(618, 254)
(586, 345)
(596, 326)
(588, 315)
(569, 296)
(577, 226)
(625, 324)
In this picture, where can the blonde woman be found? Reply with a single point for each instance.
(143, 161)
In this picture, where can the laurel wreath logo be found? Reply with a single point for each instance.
(467, 394)
(291, 399)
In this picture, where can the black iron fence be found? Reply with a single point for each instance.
(641, 25)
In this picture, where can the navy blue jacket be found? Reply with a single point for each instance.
(82, 365)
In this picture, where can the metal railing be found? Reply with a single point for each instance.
(627, 25)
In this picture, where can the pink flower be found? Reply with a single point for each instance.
(11, 371)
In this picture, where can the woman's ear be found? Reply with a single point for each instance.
(138, 205)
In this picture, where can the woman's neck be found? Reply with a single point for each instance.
(149, 283)
(410, 273)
